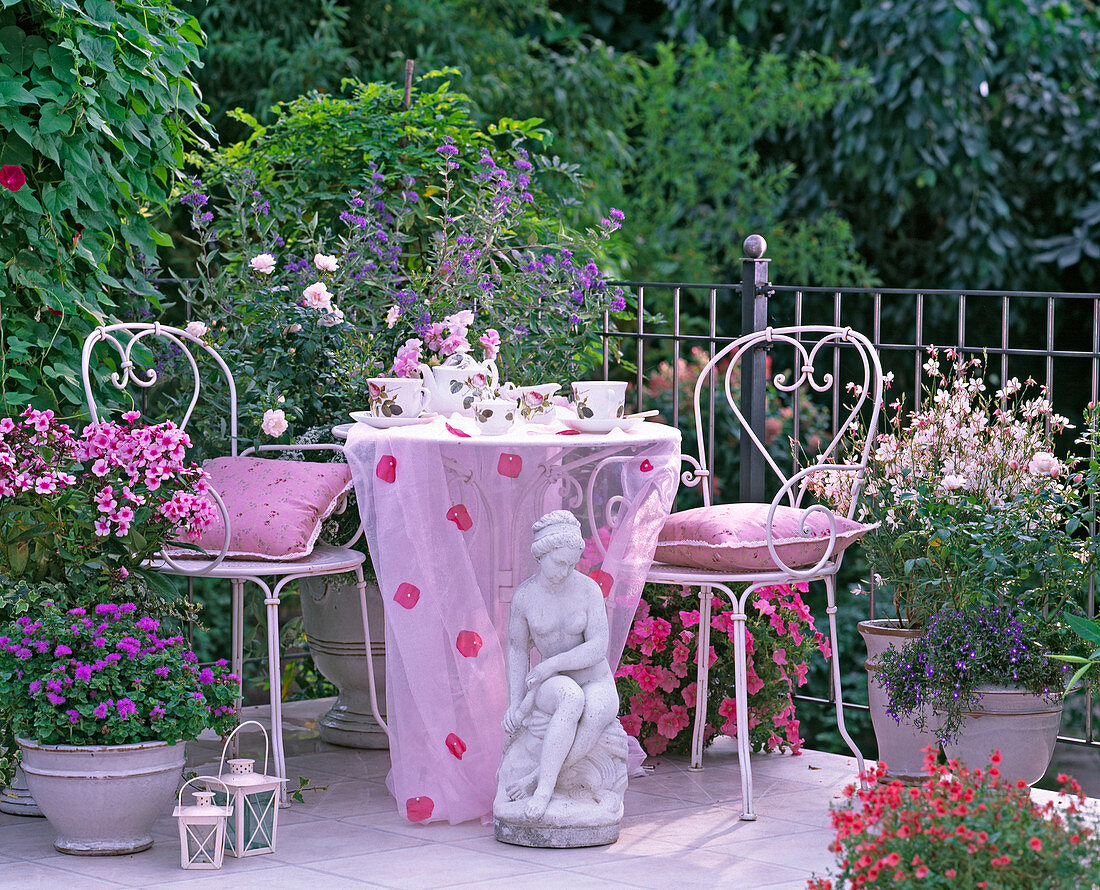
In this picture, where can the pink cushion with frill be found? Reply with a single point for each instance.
(276, 507)
(733, 537)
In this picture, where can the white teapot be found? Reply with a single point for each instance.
(455, 385)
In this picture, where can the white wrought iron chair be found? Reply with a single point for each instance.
(271, 577)
(808, 346)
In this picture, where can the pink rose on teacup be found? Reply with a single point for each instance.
(374, 390)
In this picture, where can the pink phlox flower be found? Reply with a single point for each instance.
(45, 484)
(103, 527)
(123, 514)
(105, 499)
(131, 416)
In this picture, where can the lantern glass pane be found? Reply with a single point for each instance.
(259, 817)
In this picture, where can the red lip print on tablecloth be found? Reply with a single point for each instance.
(455, 745)
(469, 643)
(460, 516)
(603, 579)
(510, 465)
(407, 596)
(419, 809)
(386, 470)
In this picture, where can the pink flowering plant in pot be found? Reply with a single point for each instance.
(105, 675)
(89, 509)
(656, 678)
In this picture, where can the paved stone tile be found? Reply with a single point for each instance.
(326, 840)
(433, 866)
(701, 869)
(629, 846)
(36, 876)
(241, 875)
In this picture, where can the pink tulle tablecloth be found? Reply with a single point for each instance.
(448, 516)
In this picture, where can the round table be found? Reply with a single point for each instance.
(448, 514)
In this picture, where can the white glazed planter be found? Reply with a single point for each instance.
(334, 628)
(900, 745)
(15, 799)
(103, 799)
(1023, 726)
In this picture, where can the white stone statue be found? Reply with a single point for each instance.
(562, 778)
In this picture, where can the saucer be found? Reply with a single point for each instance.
(385, 423)
(605, 424)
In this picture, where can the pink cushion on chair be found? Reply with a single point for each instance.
(733, 537)
(276, 507)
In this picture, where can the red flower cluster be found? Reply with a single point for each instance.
(12, 177)
(966, 826)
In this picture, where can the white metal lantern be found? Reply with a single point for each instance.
(202, 826)
(254, 798)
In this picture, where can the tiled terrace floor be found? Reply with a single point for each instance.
(680, 830)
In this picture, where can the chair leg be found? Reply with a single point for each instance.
(275, 677)
(361, 584)
(830, 590)
(236, 608)
(741, 696)
(702, 672)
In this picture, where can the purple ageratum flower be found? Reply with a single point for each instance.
(35, 687)
(106, 609)
(102, 710)
(162, 670)
(62, 651)
(79, 610)
(126, 708)
(22, 653)
(447, 150)
(100, 642)
(147, 624)
(157, 712)
(83, 672)
(194, 199)
(618, 303)
(73, 715)
(55, 699)
(206, 676)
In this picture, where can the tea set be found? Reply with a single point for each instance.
(473, 389)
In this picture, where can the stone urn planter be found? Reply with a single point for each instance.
(334, 629)
(103, 799)
(900, 745)
(15, 799)
(1023, 726)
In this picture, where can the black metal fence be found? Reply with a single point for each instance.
(1053, 338)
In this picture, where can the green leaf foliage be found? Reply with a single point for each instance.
(97, 106)
(972, 161)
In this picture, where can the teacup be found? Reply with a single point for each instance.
(494, 416)
(535, 405)
(599, 399)
(396, 396)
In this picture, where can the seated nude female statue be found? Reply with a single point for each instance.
(568, 700)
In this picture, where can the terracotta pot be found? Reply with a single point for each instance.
(334, 628)
(900, 745)
(103, 799)
(1022, 725)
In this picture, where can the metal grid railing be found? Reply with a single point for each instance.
(1052, 337)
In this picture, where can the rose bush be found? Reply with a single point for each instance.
(656, 678)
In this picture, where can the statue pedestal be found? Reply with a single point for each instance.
(566, 823)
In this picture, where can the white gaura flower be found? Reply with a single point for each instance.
(197, 329)
(263, 263)
(392, 316)
(274, 422)
(325, 263)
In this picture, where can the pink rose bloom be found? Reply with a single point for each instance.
(263, 263)
(317, 296)
(459, 322)
(433, 337)
(490, 342)
(392, 316)
(325, 262)
(197, 329)
(407, 361)
(455, 342)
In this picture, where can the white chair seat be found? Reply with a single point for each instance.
(324, 560)
(666, 573)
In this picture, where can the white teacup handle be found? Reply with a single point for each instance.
(429, 383)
